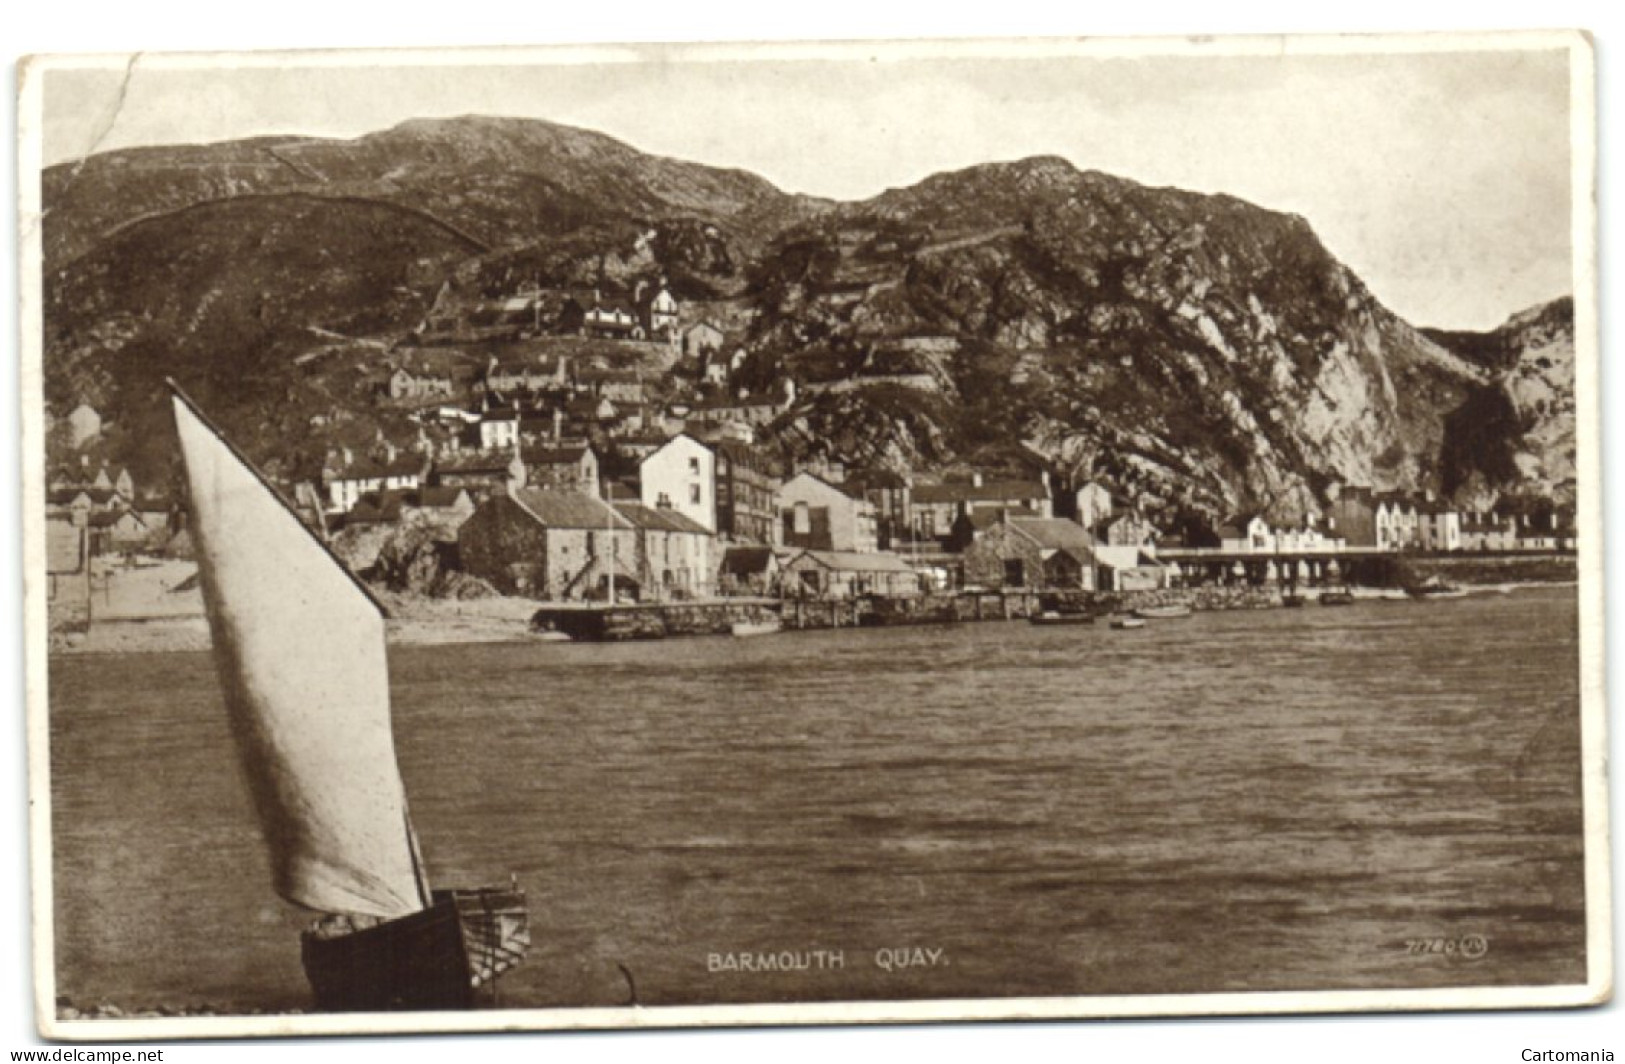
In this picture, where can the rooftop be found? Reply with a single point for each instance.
(659, 520)
(568, 509)
(987, 491)
(1056, 533)
(854, 562)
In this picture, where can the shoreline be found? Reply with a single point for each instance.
(415, 621)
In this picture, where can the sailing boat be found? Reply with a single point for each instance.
(299, 646)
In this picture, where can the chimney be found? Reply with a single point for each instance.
(558, 424)
(349, 458)
(389, 451)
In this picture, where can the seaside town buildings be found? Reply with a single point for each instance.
(574, 443)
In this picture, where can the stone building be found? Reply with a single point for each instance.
(1032, 553)
(549, 544)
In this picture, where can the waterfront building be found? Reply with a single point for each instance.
(935, 507)
(749, 570)
(1128, 567)
(1352, 515)
(848, 574)
(816, 515)
(745, 490)
(681, 475)
(1488, 531)
(673, 553)
(1032, 553)
(549, 544)
(1438, 527)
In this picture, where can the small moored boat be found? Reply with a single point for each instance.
(1128, 623)
(1057, 618)
(1435, 588)
(1342, 597)
(747, 628)
(1161, 613)
(1293, 600)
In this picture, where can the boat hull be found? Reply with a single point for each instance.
(439, 958)
(1061, 618)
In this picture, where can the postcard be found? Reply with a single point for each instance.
(662, 536)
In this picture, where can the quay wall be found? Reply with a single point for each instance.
(660, 621)
(1494, 569)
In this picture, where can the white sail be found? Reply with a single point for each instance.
(300, 650)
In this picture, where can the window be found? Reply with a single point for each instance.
(694, 465)
(694, 494)
(1015, 573)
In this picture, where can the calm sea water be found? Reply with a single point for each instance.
(1235, 801)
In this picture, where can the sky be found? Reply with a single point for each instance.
(1441, 178)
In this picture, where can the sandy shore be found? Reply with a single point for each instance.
(412, 622)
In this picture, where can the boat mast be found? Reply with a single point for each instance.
(610, 536)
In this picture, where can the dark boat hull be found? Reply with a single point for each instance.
(440, 958)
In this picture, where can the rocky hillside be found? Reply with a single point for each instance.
(1197, 352)
(1192, 349)
(1517, 433)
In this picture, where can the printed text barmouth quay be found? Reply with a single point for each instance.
(822, 960)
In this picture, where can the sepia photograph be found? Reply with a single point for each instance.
(802, 533)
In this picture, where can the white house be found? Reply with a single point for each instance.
(1439, 527)
(84, 424)
(499, 429)
(1305, 537)
(346, 486)
(1094, 504)
(681, 475)
(1248, 534)
(1398, 523)
(816, 515)
(661, 314)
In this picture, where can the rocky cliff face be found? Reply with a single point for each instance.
(1516, 433)
(1196, 352)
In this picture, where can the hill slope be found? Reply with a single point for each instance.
(1196, 352)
